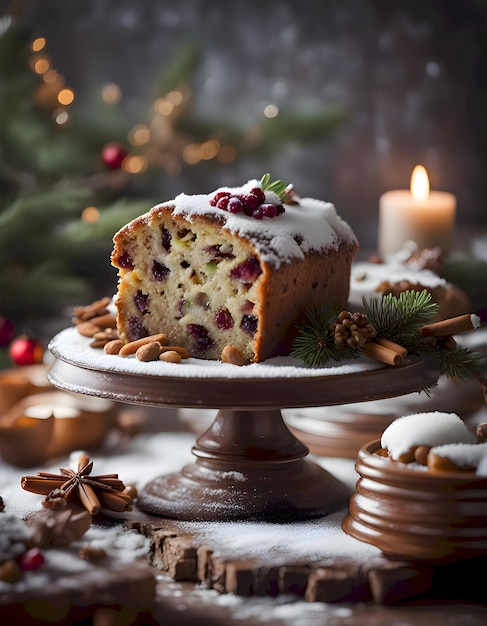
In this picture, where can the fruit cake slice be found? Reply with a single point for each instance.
(236, 267)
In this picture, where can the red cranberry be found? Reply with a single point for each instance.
(200, 339)
(141, 301)
(249, 324)
(217, 196)
(125, 261)
(160, 271)
(223, 203)
(251, 202)
(247, 271)
(257, 191)
(235, 205)
(136, 329)
(166, 238)
(224, 319)
(265, 210)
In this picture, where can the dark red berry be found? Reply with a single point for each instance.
(258, 213)
(166, 238)
(200, 339)
(280, 209)
(247, 271)
(125, 261)
(251, 201)
(31, 560)
(257, 191)
(224, 319)
(160, 271)
(249, 324)
(223, 203)
(136, 329)
(141, 301)
(269, 210)
(235, 205)
(217, 196)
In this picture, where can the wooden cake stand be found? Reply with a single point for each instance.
(249, 466)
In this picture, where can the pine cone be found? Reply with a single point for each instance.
(352, 330)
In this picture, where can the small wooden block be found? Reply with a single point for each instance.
(175, 554)
(240, 577)
(217, 570)
(338, 583)
(266, 581)
(396, 581)
(293, 579)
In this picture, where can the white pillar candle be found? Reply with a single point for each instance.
(417, 214)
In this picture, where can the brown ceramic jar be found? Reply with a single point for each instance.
(417, 515)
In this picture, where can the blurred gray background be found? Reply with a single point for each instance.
(411, 76)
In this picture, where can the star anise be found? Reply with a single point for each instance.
(92, 492)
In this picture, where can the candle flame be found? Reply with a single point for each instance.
(420, 184)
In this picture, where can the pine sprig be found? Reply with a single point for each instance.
(397, 318)
(459, 362)
(314, 343)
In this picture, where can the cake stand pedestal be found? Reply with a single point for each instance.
(248, 464)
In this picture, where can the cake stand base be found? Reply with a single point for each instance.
(248, 467)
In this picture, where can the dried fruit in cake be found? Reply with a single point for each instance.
(238, 267)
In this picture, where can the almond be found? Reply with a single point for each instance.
(87, 329)
(183, 353)
(148, 351)
(133, 346)
(170, 356)
(231, 354)
(114, 346)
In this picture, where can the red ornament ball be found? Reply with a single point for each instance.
(31, 560)
(7, 331)
(113, 154)
(26, 351)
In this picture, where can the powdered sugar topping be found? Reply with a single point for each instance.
(429, 429)
(310, 225)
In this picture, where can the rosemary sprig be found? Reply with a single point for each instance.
(277, 186)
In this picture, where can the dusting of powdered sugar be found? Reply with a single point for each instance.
(72, 347)
(425, 429)
(277, 544)
(311, 225)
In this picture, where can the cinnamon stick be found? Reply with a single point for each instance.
(392, 345)
(376, 351)
(452, 326)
